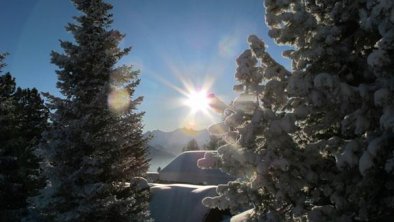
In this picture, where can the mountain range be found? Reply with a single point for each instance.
(164, 146)
(173, 142)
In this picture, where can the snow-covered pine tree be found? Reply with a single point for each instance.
(343, 82)
(260, 150)
(95, 146)
(23, 117)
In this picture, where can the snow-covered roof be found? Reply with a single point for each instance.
(184, 169)
(179, 202)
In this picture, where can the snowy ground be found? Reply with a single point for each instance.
(179, 199)
(182, 203)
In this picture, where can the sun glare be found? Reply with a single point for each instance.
(198, 101)
(195, 96)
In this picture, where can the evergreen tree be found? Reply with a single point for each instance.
(258, 150)
(214, 143)
(2, 58)
(191, 145)
(343, 79)
(95, 146)
(23, 117)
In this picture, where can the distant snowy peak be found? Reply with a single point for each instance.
(174, 141)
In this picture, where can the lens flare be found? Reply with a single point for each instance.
(227, 46)
(118, 100)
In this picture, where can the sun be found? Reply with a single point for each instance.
(197, 98)
(198, 101)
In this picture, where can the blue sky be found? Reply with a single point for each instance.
(172, 40)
